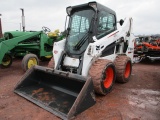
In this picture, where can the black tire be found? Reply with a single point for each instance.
(6, 61)
(103, 84)
(29, 60)
(51, 63)
(123, 66)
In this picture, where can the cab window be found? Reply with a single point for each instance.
(106, 23)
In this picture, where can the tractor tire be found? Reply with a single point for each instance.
(51, 63)
(28, 61)
(6, 61)
(123, 66)
(103, 75)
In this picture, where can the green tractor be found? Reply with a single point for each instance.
(32, 46)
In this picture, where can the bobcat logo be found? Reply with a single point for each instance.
(98, 47)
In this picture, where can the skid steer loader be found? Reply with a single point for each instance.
(94, 54)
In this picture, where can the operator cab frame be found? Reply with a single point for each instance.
(85, 21)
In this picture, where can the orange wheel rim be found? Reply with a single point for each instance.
(127, 70)
(109, 77)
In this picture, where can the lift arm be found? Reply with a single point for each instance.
(9, 44)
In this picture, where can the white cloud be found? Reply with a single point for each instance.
(52, 14)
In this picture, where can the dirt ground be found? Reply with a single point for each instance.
(139, 99)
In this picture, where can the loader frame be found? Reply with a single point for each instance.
(21, 43)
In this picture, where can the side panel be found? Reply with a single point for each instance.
(130, 50)
(94, 51)
(57, 50)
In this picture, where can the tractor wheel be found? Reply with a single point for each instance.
(28, 61)
(7, 61)
(51, 63)
(103, 75)
(123, 66)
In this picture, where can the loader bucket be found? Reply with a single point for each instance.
(61, 93)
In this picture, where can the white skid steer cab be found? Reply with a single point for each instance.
(89, 60)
